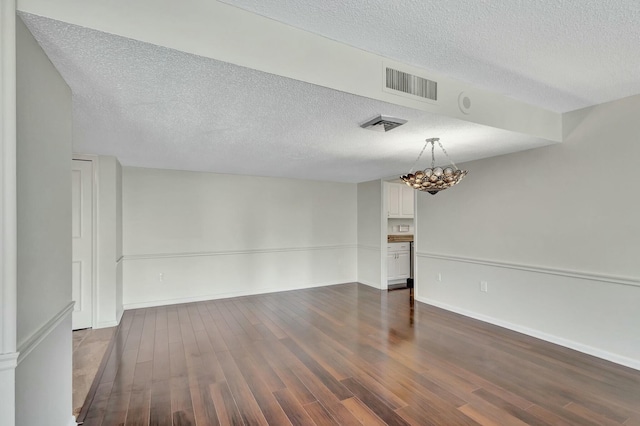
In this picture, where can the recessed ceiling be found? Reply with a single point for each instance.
(151, 106)
(560, 55)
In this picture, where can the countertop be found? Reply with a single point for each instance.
(400, 238)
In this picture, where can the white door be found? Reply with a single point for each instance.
(82, 236)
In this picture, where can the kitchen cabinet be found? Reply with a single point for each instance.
(398, 261)
(400, 201)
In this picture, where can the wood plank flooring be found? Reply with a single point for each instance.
(351, 355)
(89, 347)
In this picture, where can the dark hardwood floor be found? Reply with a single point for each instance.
(347, 354)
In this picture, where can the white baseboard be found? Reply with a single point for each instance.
(203, 298)
(106, 324)
(370, 284)
(599, 353)
(72, 422)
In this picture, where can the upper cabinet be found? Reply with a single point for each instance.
(400, 198)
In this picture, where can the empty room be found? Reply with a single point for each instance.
(319, 213)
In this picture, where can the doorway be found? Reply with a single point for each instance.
(398, 233)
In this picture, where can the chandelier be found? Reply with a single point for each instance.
(434, 179)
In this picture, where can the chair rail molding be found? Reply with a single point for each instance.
(32, 342)
(628, 281)
(368, 247)
(129, 257)
(9, 361)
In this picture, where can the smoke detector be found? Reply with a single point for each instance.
(383, 123)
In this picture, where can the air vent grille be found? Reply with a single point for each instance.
(383, 123)
(411, 84)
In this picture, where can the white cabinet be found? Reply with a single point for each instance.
(398, 261)
(400, 201)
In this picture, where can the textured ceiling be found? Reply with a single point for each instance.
(558, 54)
(156, 107)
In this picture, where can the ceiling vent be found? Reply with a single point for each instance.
(411, 84)
(383, 123)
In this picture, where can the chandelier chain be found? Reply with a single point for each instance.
(420, 155)
(447, 155)
(433, 154)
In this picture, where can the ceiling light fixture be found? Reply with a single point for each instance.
(434, 179)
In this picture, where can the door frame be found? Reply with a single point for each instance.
(94, 233)
(383, 234)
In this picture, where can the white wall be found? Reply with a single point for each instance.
(394, 224)
(109, 244)
(43, 388)
(44, 182)
(8, 219)
(213, 235)
(554, 232)
(119, 290)
(44, 377)
(370, 224)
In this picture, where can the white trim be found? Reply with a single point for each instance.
(32, 342)
(106, 324)
(414, 260)
(235, 252)
(384, 233)
(8, 188)
(72, 421)
(368, 247)
(94, 231)
(599, 353)
(206, 297)
(537, 269)
(370, 284)
(9, 361)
